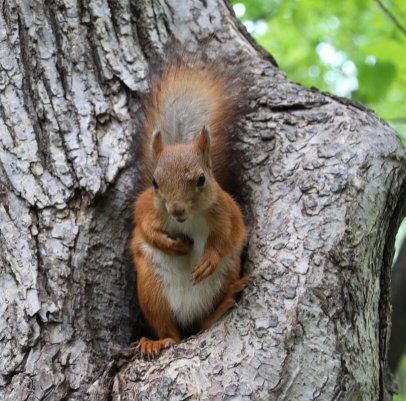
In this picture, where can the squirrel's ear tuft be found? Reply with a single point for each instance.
(157, 145)
(203, 145)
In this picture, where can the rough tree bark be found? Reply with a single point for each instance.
(324, 184)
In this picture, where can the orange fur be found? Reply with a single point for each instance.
(187, 201)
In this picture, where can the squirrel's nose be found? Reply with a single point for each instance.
(177, 210)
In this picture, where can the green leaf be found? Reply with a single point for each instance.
(374, 80)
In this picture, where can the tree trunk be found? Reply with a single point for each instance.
(324, 184)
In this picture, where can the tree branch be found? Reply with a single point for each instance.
(391, 17)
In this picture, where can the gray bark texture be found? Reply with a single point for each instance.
(324, 188)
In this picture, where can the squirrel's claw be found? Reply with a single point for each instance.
(203, 270)
(150, 349)
(181, 246)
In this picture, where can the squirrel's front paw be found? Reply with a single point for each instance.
(204, 268)
(181, 246)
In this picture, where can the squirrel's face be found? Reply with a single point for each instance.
(183, 180)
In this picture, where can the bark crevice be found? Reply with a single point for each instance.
(388, 385)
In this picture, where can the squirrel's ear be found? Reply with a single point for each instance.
(203, 145)
(157, 145)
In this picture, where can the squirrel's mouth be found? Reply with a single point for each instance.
(180, 219)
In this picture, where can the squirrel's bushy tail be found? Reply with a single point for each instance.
(186, 93)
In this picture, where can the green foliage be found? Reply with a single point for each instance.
(374, 81)
(350, 48)
(400, 238)
(402, 374)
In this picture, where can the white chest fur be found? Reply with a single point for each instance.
(187, 301)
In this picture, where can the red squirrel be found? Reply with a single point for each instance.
(189, 233)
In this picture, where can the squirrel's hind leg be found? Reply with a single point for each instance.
(156, 310)
(232, 288)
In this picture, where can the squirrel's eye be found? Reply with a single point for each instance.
(154, 183)
(201, 180)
